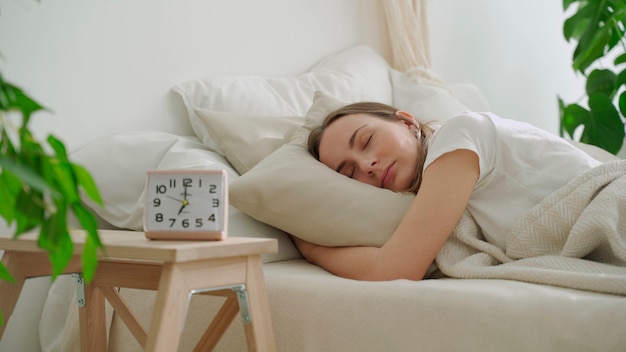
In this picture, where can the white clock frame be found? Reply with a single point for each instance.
(182, 216)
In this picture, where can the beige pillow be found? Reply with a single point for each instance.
(246, 140)
(294, 192)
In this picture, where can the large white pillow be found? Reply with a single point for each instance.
(294, 192)
(246, 140)
(357, 73)
(430, 102)
(119, 163)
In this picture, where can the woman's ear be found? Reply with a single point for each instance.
(407, 118)
(405, 114)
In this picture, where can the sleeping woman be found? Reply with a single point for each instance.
(497, 169)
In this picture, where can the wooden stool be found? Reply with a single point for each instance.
(176, 269)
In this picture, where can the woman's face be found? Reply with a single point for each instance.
(372, 150)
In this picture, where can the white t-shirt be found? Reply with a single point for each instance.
(520, 165)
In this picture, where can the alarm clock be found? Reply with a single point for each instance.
(186, 205)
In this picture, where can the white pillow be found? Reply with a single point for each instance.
(245, 140)
(119, 163)
(296, 193)
(357, 73)
(428, 102)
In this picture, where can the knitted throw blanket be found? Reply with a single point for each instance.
(575, 238)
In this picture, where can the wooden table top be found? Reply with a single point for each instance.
(134, 245)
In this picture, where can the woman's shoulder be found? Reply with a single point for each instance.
(474, 131)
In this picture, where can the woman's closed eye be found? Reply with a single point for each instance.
(367, 141)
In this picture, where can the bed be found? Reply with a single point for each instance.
(253, 125)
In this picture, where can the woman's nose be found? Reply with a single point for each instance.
(368, 165)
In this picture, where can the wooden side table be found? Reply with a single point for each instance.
(176, 269)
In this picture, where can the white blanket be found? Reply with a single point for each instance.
(575, 238)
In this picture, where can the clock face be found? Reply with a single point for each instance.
(186, 204)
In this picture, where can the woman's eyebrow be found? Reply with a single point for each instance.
(353, 137)
(351, 144)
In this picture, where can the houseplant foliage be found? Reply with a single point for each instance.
(598, 27)
(39, 186)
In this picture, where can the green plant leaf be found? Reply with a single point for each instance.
(572, 116)
(92, 243)
(89, 259)
(620, 59)
(88, 222)
(29, 211)
(622, 103)
(579, 22)
(591, 47)
(601, 81)
(64, 179)
(87, 183)
(567, 3)
(621, 79)
(5, 275)
(13, 98)
(607, 129)
(10, 187)
(575, 26)
(27, 175)
(63, 172)
(55, 239)
(58, 147)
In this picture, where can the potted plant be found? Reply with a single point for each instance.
(598, 28)
(40, 186)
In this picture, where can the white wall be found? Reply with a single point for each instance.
(107, 66)
(513, 50)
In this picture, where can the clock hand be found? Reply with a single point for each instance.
(176, 199)
(184, 201)
(185, 193)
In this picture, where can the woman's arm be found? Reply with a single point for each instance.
(443, 196)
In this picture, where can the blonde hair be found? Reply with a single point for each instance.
(423, 133)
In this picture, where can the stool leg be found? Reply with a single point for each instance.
(259, 333)
(169, 311)
(92, 321)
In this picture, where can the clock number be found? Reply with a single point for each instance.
(198, 222)
(213, 189)
(212, 217)
(161, 189)
(156, 202)
(159, 217)
(185, 223)
(172, 183)
(173, 221)
(216, 203)
(186, 182)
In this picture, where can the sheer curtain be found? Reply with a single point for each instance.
(408, 34)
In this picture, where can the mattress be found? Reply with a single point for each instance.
(313, 310)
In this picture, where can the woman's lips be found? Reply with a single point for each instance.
(387, 176)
